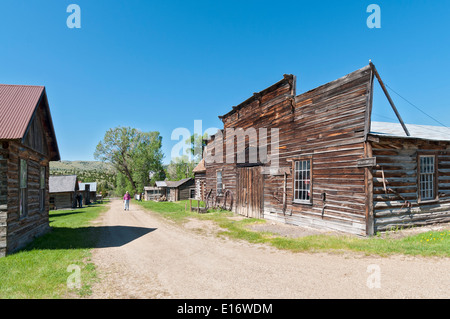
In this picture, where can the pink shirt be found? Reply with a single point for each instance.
(127, 197)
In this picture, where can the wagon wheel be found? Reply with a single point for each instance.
(216, 202)
(228, 194)
(209, 201)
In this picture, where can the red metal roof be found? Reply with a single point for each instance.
(17, 105)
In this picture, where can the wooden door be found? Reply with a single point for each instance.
(249, 191)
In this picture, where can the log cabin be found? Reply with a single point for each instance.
(317, 160)
(63, 191)
(180, 190)
(27, 145)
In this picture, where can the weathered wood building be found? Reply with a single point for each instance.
(27, 145)
(172, 190)
(88, 191)
(155, 192)
(319, 163)
(180, 190)
(63, 191)
(411, 179)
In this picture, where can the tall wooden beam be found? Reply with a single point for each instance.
(389, 98)
(369, 103)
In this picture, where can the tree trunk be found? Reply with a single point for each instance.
(124, 169)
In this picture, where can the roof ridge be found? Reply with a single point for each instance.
(23, 85)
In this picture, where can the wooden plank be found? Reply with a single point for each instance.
(275, 171)
(366, 162)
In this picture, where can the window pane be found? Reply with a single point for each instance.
(23, 194)
(426, 181)
(302, 180)
(23, 202)
(42, 178)
(23, 173)
(219, 181)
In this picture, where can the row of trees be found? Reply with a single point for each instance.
(137, 158)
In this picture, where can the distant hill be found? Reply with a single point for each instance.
(87, 172)
(81, 166)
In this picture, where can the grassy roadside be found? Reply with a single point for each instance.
(40, 271)
(424, 244)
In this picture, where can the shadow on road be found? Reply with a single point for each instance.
(116, 236)
(89, 237)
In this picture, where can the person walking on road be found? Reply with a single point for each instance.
(126, 200)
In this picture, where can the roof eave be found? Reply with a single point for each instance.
(286, 78)
(407, 137)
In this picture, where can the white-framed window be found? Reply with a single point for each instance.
(219, 188)
(23, 186)
(427, 177)
(302, 181)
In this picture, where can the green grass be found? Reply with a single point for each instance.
(170, 210)
(425, 244)
(40, 270)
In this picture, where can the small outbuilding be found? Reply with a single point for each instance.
(157, 192)
(88, 191)
(27, 145)
(153, 193)
(180, 190)
(63, 191)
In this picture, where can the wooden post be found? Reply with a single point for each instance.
(389, 98)
(368, 114)
(190, 204)
(368, 183)
(284, 193)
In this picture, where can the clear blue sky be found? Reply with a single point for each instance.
(159, 65)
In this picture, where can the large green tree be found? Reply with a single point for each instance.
(180, 167)
(135, 155)
(197, 144)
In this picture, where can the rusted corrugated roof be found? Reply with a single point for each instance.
(17, 105)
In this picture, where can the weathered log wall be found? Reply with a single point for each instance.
(3, 196)
(396, 193)
(266, 109)
(328, 127)
(21, 230)
(184, 190)
(200, 185)
(65, 200)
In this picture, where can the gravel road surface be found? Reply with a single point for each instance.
(142, 255)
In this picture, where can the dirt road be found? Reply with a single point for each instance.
(142, 255)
